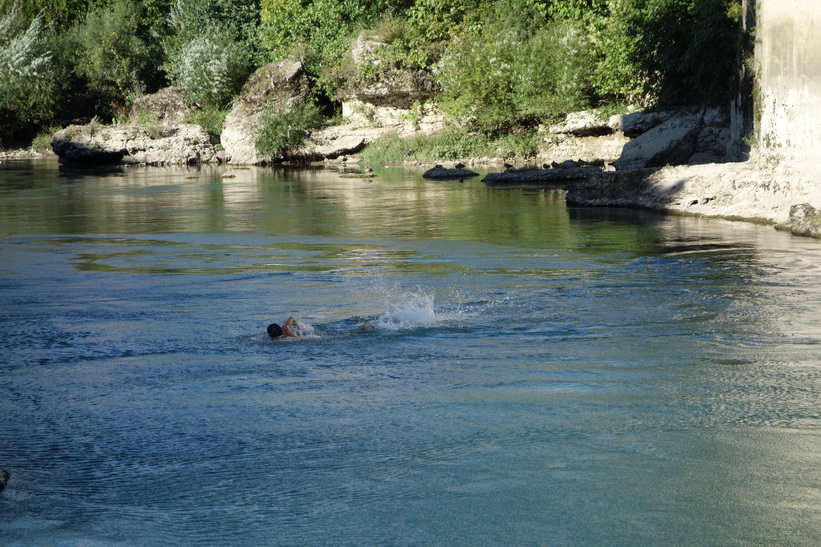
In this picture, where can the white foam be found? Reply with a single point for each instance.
(414, 310)
(305, 330)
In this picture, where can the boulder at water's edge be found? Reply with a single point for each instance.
(276, 84)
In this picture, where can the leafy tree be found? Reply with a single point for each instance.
(688, 48)
(212, 67)
(318, 32)
(500, 63)
(110, 56)
(205, 53)
(670, 52)
(56, 14)
(27, 78)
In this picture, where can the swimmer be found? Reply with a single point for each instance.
(285, 331)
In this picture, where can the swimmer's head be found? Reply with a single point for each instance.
(274, 330)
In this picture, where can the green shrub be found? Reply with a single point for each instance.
(318, 32)
(240, 18)
(450, 144)
(282, 130)
(522, 144)
(212, 67)
(500, 80)
(211, 119)
(42, 142)
(205, 52)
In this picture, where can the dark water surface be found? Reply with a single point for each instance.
(537, 375)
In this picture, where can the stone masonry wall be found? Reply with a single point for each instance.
(788, 53)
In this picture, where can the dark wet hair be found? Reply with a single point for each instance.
(274, 330)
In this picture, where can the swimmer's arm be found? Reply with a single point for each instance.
(286, 328)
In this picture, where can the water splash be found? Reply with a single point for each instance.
(415, 310)
(305, 330)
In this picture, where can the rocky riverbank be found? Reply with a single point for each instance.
(22, 154)
(784, 195)
(682, 162)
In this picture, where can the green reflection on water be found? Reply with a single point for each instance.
(37, 198)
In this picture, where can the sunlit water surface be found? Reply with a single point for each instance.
(536, 375)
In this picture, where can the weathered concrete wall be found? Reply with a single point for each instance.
(788, 52)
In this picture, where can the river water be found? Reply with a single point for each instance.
(535, 374)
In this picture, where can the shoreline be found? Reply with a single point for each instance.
(24, 154)
(784, 196)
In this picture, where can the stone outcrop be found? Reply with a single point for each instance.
(639, 140)
(582, 124)
(672, 142)
(275, 85)
(453, 173)
(332, 142)
(168, 105)
(804, 220)
(636, 123)
(94, 144)
(425, 118)
(685, 137)
(4, 478)
(386, 85)
(607, 148)
(782, 196)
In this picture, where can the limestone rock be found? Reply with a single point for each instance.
(166, 105)
(805, 220)
(280, 84)
(634, 124)
(397, 88)
(672, 142)
(582, 124)
(387, 85)
(324, 146)
(425, 118)
(134, 144)
(560, 148)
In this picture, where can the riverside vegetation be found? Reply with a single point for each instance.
(499, 67)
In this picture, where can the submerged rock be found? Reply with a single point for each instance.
(619, 189)
(546, 176)
(444, 173)
(4, 478)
